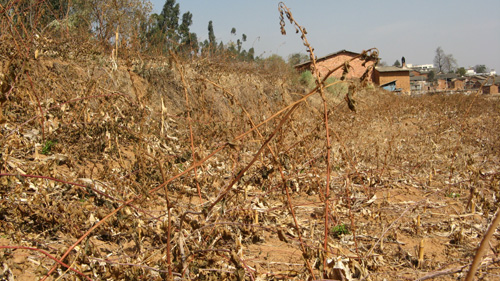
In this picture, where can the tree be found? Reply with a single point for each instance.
(169, 20)
(103, 18)
(165, 32)
(444, 63)
(439, 59)
(211, 34)
(35, 15)
(396, 63)
(480, 68)
(210, 45)
(233, 31)
(461, 71)
(251, 54)
(450, 63)
(187, 20)
(238, 44)
(431, 76)
(188, 40)
(297, 58)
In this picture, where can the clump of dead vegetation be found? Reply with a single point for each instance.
(197, 170)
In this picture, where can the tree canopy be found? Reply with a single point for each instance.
(126, 23)
(480, 68)
(445, 63)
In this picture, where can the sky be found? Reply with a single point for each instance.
(468, 30)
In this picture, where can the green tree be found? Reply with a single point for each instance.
(166, 32)
(168, 23)
(187, 21)
(211, 36)
(431, 76)
(169, 20)
(480, 68)
(104, 17)
(251, 54)
(189, 40)
(35, 16)
(238, 44)
(461, 71)
(297, 58)
(396, 63)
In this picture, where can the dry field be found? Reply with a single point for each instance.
(154, 168)
(183, 169)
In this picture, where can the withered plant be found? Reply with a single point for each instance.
(209, 168)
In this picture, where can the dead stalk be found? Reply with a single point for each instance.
(190, 121)
(42, 114)
(320, 82)
(483, 246)
(169, 223)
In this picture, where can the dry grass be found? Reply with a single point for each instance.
(202, 170)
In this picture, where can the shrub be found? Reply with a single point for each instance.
(307, 80)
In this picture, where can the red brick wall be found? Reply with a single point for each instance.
(458, 84)
(402, 79)
(492, 89)
(416, 73)
(442, 84)
(356, 70)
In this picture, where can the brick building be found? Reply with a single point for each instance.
(331, 61)
(388, 74)
(444, 81)
(491, 85)
(395, 78)
(458, 84)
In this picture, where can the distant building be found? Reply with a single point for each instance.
(458, 84)
(491, 85)
(444, 81)
(418, 83)
(470, 72)
(422, 67)
(393, 78)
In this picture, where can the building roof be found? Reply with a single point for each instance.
(389, 83)
(446, 76)
(418, 78)
(391, 68)
(327, 57)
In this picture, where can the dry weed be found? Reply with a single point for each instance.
(192, 170)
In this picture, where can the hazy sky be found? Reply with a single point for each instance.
(469, 30)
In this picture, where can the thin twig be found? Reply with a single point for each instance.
(49, 256)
